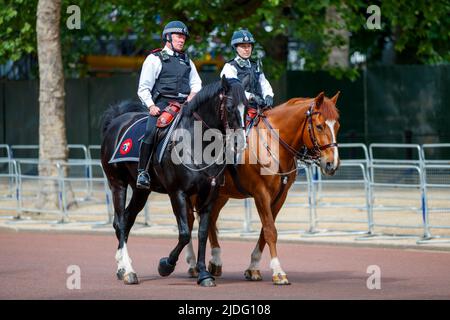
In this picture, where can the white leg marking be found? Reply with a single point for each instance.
(255, 258)
(215, 252)
(335, 149)
(190, 255)
(124, 260)
(276, 266)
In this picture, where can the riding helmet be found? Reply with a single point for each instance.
(175, 27)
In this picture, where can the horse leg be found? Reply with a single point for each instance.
(267, 213)
(125, 270)
(180, 207)
(215, 264)
(190, 255)
(252, 273)
(205, 279)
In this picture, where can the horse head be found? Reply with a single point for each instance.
(322, 127)
(233, 101)
(235, 105)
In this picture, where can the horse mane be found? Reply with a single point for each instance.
(118, 109)
(327, 108)
(211, 91)
(205, 95)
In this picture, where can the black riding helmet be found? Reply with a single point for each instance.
(174, 27)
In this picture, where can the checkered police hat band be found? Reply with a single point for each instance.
(242, 40)
(175, 30)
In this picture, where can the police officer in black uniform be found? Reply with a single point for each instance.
(167, 75)
(258, 90)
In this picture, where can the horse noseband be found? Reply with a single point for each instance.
(315, 151)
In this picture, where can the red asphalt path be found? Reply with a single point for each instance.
(34, 265)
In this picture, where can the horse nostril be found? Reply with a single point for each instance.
(329, 166)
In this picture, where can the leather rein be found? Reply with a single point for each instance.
(305, 154)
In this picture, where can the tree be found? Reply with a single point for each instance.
(418, 30)
(52, 129)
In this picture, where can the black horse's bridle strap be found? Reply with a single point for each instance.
(222, 111)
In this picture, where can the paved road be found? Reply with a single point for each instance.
(34, 265)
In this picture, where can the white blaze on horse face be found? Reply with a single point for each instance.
(255, 258)
(124, 260)
(330, 124)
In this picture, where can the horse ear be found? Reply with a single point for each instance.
(319, 99)
(336, 96)
(246, 81)
(224, 83)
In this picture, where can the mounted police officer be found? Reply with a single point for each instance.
(167, 75)
(258, 89)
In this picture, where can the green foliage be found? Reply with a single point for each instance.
(17, 29)
(418, 29)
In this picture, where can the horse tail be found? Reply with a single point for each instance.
(118, 109)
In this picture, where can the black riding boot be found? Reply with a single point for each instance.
(143, 178)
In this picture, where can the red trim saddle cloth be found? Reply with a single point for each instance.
(168, 114)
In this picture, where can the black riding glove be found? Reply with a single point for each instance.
(258, 100)
(269, 101)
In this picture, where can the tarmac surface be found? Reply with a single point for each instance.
(36, 264)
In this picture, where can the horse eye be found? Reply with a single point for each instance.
(319, 127)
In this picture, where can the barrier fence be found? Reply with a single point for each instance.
(386, 190)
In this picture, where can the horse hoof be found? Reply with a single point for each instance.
(165, 268)
(208, 282)
(205, 279)
(130, 278)
(193, 272)
(280, 279)
(120, 273)
(253, 275)
(215, 270)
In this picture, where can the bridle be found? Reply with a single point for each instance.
(222, 112)
(305, 154)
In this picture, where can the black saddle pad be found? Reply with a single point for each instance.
(129, 144)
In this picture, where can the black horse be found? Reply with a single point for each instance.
(216, 106)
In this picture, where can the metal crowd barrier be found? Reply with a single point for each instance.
(347, 189)
(437, 188)
(396, 185)
(9, 197)
(409, 180)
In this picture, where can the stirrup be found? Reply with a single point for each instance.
(143, 180)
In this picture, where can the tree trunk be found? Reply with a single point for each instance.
(52, 128)
(339, 55)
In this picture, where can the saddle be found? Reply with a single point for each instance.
(168, 114)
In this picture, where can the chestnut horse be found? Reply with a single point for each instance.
(306, 130)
